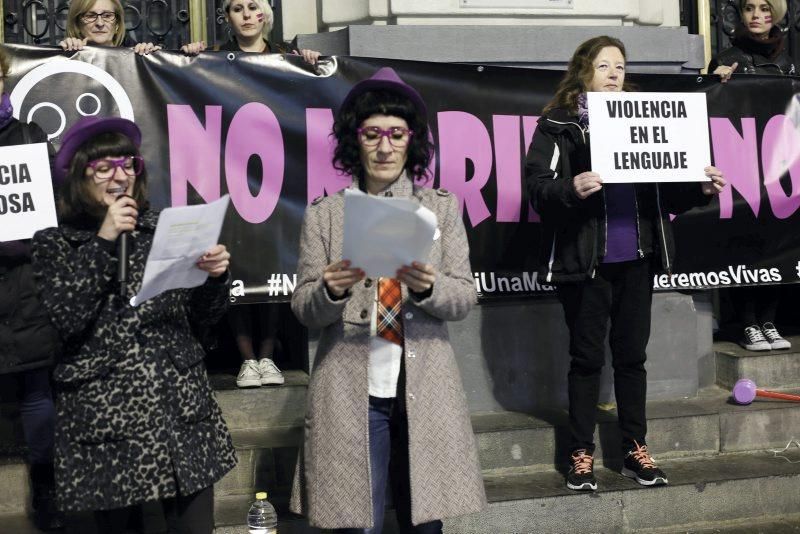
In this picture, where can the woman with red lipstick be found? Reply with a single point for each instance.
(136, 419)
(758, 48)
(601, 244)
(100, 23)
(758, 42)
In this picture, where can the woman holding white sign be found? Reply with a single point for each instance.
(29, 344)
(601, 246)
(136, 418)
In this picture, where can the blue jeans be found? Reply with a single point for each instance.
(38, 415)
(388, 456)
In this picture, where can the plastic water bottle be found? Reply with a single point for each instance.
(262, 519)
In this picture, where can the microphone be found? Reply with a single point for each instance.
(122, 263)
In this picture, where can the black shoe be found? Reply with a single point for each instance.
(640, 466)
(581, 471)
(45, 515)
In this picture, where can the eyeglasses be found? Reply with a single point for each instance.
(104, 169)
(372, 135)
(90, 17)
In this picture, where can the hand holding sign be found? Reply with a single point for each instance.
(717, 183)
(587, 183)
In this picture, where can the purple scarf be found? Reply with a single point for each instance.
(583, 110)
(6, 111)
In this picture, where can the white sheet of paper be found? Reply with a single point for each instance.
(627, 144)
(26, 191)
(382, 234)
(182, 236)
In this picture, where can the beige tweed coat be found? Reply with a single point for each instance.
(332, 482)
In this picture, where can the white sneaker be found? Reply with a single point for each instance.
(754, 339)
(249, 375)
(270, 374)
(776, 341)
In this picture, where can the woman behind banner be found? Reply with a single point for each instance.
(250, 23)
(758, 47)
(600, 246)
(100, 23)
(28, 342)
(384, 368)
(136, 420)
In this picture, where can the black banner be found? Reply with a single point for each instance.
(258, 127)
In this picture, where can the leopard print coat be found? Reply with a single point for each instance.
(136, 417)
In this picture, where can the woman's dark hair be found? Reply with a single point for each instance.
(580, 73)
(76, 202)
(347, 156)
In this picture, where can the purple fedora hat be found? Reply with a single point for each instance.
(386, 79)
(84, 130)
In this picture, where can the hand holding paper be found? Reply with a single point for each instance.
(183, 236)
(381, 234)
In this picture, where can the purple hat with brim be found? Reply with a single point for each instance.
(84, 130)
(388, 80)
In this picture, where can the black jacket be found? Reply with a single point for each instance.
(136, 418)
(27, 339)
(574, 230)
(755, 57)
(272, 48)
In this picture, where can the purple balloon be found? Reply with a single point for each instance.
(744, 391)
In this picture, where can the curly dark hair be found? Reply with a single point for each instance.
(76, 203)
(580, 73)
(347, 156)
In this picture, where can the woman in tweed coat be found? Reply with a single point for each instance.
(136, 419)
(378, 409)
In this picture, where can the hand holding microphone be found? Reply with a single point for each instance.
(120, 219)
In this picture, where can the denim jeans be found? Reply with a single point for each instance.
(388, 455)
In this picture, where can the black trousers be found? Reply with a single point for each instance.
(622, 293)
(184, 514)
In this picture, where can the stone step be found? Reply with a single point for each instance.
(778, 369)
(704, 425)
(733, 493)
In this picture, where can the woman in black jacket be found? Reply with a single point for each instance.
(136, 417)
(758, 47)
(28, 342)
(601, 245)
(758, 44)
(250, 23)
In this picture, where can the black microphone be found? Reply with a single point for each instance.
(122, 262)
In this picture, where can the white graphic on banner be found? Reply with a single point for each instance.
(86, 104)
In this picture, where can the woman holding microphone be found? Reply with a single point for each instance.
(136, 419)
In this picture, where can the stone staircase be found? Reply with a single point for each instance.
(724, 475)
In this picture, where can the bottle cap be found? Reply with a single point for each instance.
(261, 495)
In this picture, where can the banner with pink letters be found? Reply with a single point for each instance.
(258, 127)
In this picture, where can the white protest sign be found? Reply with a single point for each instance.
(26, 192)
(649, 137)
